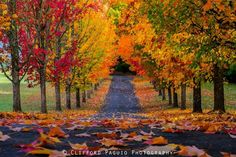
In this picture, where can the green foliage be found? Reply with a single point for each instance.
(115, 11)
(231, 73)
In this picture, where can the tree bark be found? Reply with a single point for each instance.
(160, 92)
(163, 94)
(169, 96)
(16, 97)
(218, 81)
(154, 85)
(43, 89)
(92, 89)
(84, 96)
(58, 96)
(68, 96)
(14, 46)
(183, 97)
(16, 82)
(89, 93)
(197, 98)
(175, 98)
(96, 86)
(57, 83)
(78, 105)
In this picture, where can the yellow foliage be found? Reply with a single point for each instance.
(95, 33)
(4, 18)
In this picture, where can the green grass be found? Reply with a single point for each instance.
(30, 97)
(208, 96)
(230, 95)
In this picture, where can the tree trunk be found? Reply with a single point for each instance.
(160, 92)
(92, 89)
(175, 98)
(16, 97)
(14, 47)
(96, 86)
(58, 96)
(84, 96)
(57, 84)
(218, 89)
(78, 105)
(183, 96)
(163, 94)
(68, 96)
(43, 89)
(16, 85)
(154, 86)
(197, 98)
(169, 96)
(89, 93)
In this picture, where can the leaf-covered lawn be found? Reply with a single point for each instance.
(150, 100)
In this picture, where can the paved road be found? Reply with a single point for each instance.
(121, 96)
(121, 99)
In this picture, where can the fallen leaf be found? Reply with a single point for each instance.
(112, 135)
(146, 133)
(126, 125)
(139, 138)
(192, 151)
(16, 129)
(40, 151)
(78, 146)
(56, 132)
(225, 154)
(96, 148)
(3, 137)
(132, 134)
(29, 147)
(45, 139)
(72, 127)
(83, 135)
(232, 131)
(56, 153)
(26, 129)
(45, 151)
(233, 136)
(157, 141)
(170, 130)
(167, 148)
(109, 142)
(86, 124)
(213, 129)
(124, 135)
(107, 149)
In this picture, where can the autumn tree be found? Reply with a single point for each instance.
(45, 18)
(64, 14)
(16, 47)
(93, 50)
(210, 37)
